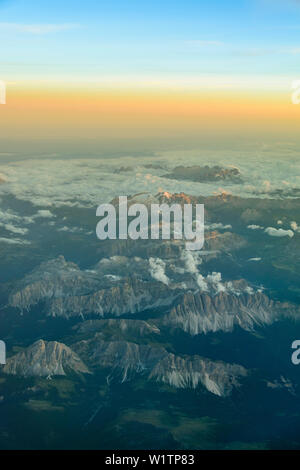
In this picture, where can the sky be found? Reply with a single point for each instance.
(144, 69)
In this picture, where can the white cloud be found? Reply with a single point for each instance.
(215, 279)
(44, 213)
(87, 182)
(212, 282)
(14, 241)
(202, 283)
(203, 43)
(37, 28)
(218, 226)
(191, 261)
(65, 228)
(11, 221)
(249, 290)
(13, 229)
(279, 232)
(255, 227)
(295, 226)
(294, 51)
(157, 270)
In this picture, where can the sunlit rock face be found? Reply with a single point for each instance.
(45, 359)
(190, 371)
(125, 360)
(203, 313)
(129, 296)
(52, 279)
(66, 291)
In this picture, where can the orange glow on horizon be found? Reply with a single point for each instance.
(91, 113)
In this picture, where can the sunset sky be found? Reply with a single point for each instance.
(132, 69)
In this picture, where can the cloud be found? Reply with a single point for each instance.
(255, 227)
(157, 270)
(65, 228)
(191, 261)
(11, 221)
(14, 241)
(215, 279)
(37, 28)
(203, 43)
(212, 282)
(279, 232)
(218, 226)
(44, 214)
(293, 50)
(295, 226)
(13, 229)
(249, 290)
(202, 283)
(87, 182)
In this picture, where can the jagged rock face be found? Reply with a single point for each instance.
(143, 248)
(67, 291)
(120, 327)
(50, 280)
(114, 286)
(125, 360)
(130, 296)
(44, 359)
(223, 242)
(203, 313)
(140, 198)
(205, 173)
(188, 372)
(176, 198)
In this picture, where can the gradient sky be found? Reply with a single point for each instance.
(157, 39)
(157, 66)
